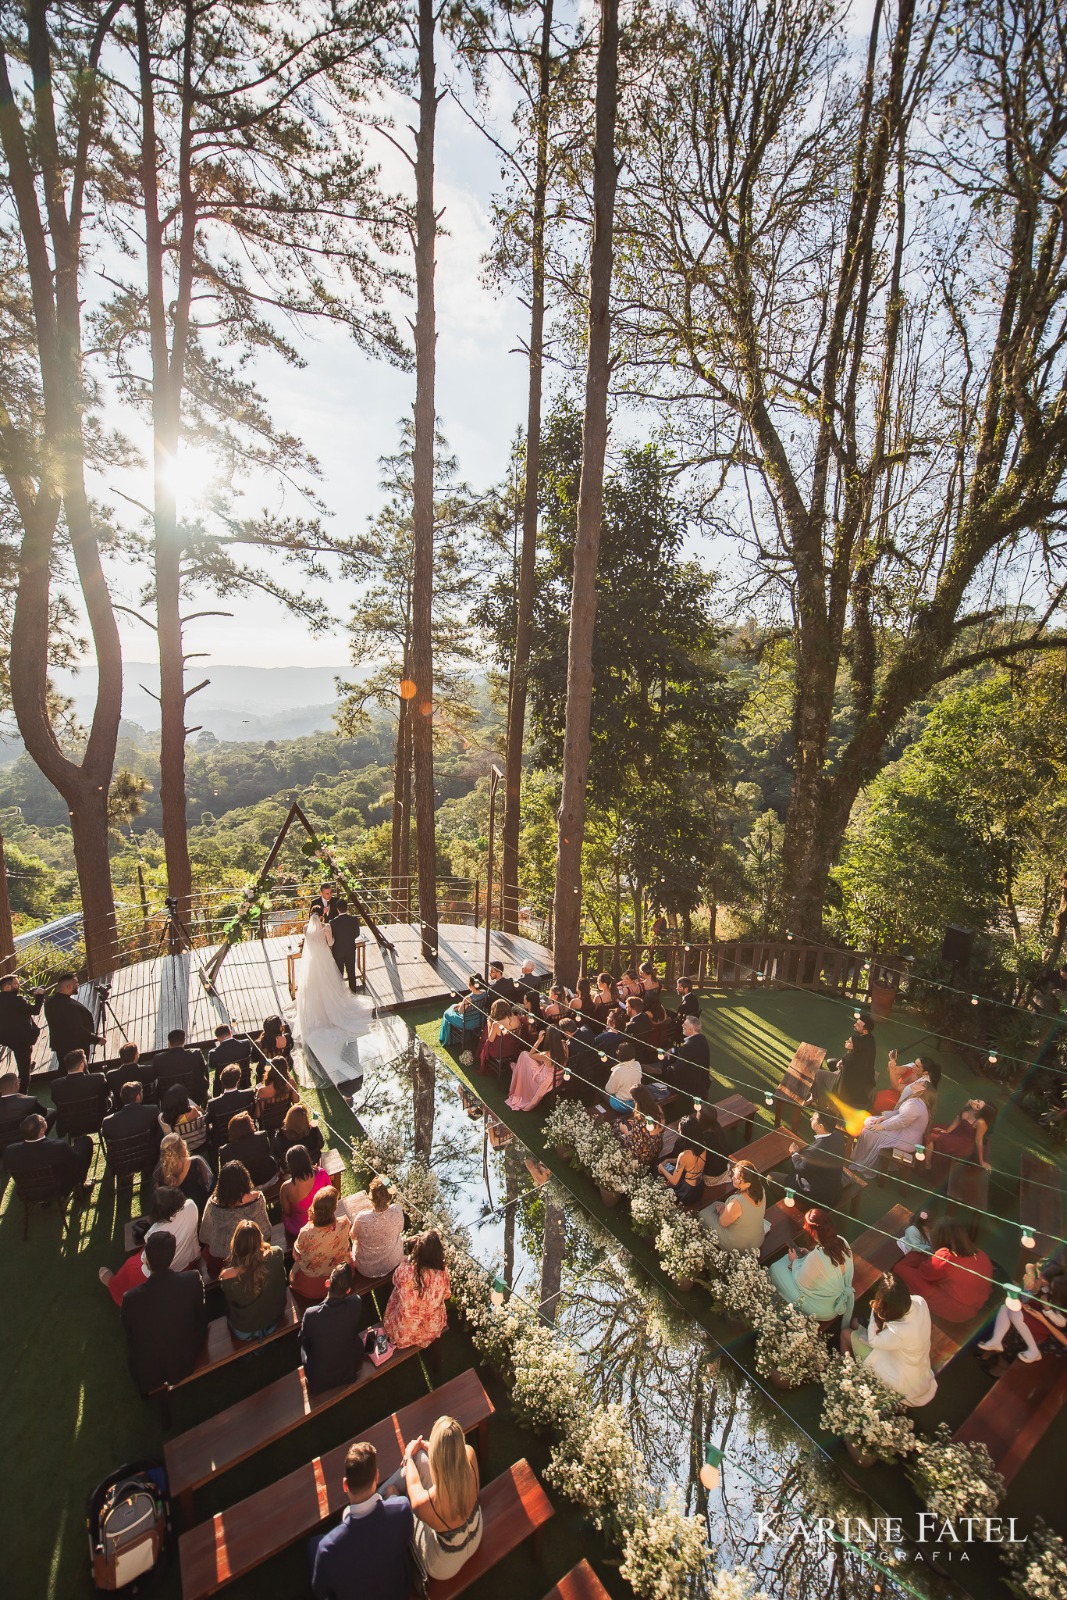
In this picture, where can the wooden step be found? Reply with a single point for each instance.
(239, 1539)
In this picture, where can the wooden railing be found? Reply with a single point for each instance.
(745, 962)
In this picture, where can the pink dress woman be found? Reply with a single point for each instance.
(298, 1216)
(532, 1077)
(412, 1318)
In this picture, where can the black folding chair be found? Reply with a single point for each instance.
(130, 1156)
(80, 1116)
(40, 1189)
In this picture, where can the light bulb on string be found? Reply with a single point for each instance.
(710, 1475)
(974, 999)
(857, 1015)
(1029, 1240)
(498, 1291)
(920, 1152)
(789, 1198)
(661, 1055)
(566, 1075)
(993, 1058)
(768, 1099)
(1013, 1298)
(603, 1055)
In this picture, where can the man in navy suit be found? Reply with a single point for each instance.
(369, 1554)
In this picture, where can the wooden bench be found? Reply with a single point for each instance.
(798, 1081)
(237, 1540)
(1016, 1413)
(232, 1435)
(732, 1110)
(222, 1347)
(764, 1153)
(580, 1583)
(514, 1509)
(785, 1223)
(333, 1162)
(1040, 1203)
(874, 1253)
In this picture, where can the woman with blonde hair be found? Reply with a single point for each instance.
(378, 1233)
(324, 1242)
(298, 1128)
(253, 1282)
(440, 1478)
(178, 1169)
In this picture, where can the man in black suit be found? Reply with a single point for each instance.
(345, 930)
(688, 1004)
(71, 1026)
(323, 902)
(688, 1069)
(223, 1106)
(852, 1079)
(176, 1064)
(639, 1029)
(133, 1117)
(33, 1154)
(18, 1025)
(230, 1052)
(131, 1069)
(331, 1347)
(79, 1088)
(164, 1318)
(500, 987)
(15, 1107)
(818, 1169)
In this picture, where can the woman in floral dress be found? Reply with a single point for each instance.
(324, 1242)
(416, 1313)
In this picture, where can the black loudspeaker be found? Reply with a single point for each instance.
(958, 946)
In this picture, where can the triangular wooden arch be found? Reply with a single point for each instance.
(296, 814)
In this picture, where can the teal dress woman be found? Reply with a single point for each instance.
(819, 1280)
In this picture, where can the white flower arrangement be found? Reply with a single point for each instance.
(956, 1480)
(652, 1204)
(566, 1125)
(596, 1466)
(547, 1391)
(742, 1289)
(466, 1058)
(664, 1551)
(790, 1345)
(607, 1163)
(864, 1412)
(739, 1585)
(682, 1245)
(1038, 1571)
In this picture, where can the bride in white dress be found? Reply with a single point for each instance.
(324, 1003)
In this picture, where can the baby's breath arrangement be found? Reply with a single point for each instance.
(742, 1289)
(956, 1479)
(864, 1412)
(1038, 1569)
(651, 1204)
(682, 1245)
(663, 1550)
(566, 1125)
(790, 1345)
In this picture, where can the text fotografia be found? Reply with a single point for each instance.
(932, 1537)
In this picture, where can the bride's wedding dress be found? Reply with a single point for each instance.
(324, 1002)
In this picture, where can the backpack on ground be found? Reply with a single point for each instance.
(128, 1522)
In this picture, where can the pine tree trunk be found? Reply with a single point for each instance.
(422, 490)
(576, 743)
(520, 663)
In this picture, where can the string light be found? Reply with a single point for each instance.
(789, 1198)
(710, 1474)
(1013, 1298)
(768, 1099)
(1029, 1241)
(974, 999)
(993, 1058)
(920, 1152)
(498, 1291)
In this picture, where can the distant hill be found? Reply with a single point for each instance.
(240, 703)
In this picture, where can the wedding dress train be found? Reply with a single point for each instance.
(329, 1017)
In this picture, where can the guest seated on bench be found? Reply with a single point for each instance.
(850, 1080)
(133, 1117)
(79, 1087)
(253, 1281)
(178, 1114)
(685, 1171)
(251, 1148)
(164, 1318)
(903, 1129)
(331, 1345)
(298, 1128)
(324, 1242)
(277, 1085)
(177, 1169)
(304, 1182)
(1038, 1320)
(614, 1033)
(737, 1222)
(901, 1074)
(170, 1212)
(370, 1553)
(416, 1313)
(233, 1099)
(440, 1479)
(532, 1077)
(896, 1348)
(688, 1069)
(955, 1281)
(818, 1169)
(959, 1154)
(556, 1005)
(378, 1232)
(624, 1078)
(464, 1017)
(233, 1202)
(634, 1132)
(606, 998)
(818, 1279)
(503, 1041)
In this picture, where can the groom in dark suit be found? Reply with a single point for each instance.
(345, 929)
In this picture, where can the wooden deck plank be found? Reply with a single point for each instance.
(580, 1583)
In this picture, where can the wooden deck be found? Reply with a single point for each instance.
(149, 998)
